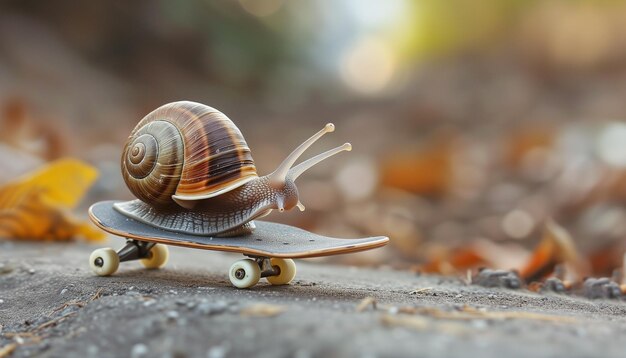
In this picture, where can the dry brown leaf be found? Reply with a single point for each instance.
(36, 136)
(421, 324)
(556, 247)
(414, 322)
(604, 259)
(420, 290)
(366, 303)
(449, 262)
(524, 140)
(7, 350)
(425, 171)
(262, 310)
(470, 313)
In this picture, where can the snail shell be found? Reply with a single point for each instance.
(184, 152)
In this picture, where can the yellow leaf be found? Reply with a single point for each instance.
(61, 183)
(36, 206)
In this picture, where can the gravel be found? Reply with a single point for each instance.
(189, 309)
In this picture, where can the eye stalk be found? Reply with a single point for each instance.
(296, 171)
(283, 178)
(278, 177)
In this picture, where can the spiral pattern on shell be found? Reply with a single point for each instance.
(185, 150)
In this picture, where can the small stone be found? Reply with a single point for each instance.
(218, 351)
(139, 350)
(5, 269)
(172, 315)
(302, 353)
(92, 350)
(31, 271)
(209, 308)
(1, 301)
(479, 324)
(63, 291)
(552, 284)
(601, 288)
(497, 278)
(204, 308)
(69, 310)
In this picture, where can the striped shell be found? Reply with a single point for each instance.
(185, 151)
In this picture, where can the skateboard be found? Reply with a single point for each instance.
(271, 248)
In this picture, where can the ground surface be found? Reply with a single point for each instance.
(190, 309)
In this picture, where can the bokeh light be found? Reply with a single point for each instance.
(368, 67)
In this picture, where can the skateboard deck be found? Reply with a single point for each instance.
(268, 239)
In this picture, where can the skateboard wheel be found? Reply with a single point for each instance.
(157, 257)
(287, 271)
(244, 273)
(104, 262)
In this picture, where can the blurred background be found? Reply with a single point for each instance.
(473, 122)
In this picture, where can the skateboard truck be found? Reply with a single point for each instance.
(267, 269)
(135, 250)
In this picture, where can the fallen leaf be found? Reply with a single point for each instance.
(61, 183)
(418, 323)
(35, 207)
(523, 141)
(450, 262)
(556, 247)
(262, 310)
(366, 303)
(421, 324)
(37, 136)
(7, 350)
(470, 313)
(420, 290)
(427, 170)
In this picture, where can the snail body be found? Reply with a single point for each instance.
(192, 172)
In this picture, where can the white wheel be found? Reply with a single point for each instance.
(104, 262)
(287, 271)
(244, 273)
(157, 257)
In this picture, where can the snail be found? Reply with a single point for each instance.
(192, 172)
